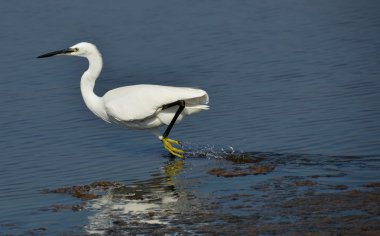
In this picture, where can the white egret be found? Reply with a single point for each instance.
(137, 106)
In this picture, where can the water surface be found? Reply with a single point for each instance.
(296, 80)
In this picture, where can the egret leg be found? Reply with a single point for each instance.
(167, 141)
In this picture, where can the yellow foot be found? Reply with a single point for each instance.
(168, 146)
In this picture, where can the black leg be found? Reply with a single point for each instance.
(181, 104)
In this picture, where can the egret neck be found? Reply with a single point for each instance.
(87, 84)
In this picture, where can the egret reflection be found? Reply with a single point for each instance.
(140, 206)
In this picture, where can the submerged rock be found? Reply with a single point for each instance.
(84, 192)
(238, 171)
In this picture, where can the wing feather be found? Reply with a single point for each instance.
(138, 102)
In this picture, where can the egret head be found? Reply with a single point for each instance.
(82, 49)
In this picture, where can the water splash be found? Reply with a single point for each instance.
(210, 151)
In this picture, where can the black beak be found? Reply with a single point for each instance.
(50, 54)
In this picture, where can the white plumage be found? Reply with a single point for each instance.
(140, 106)
(137, 106)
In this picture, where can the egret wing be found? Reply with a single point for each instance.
(138, 102)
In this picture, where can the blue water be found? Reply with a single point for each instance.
(290, 76)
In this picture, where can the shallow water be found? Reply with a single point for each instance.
(294, 81)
